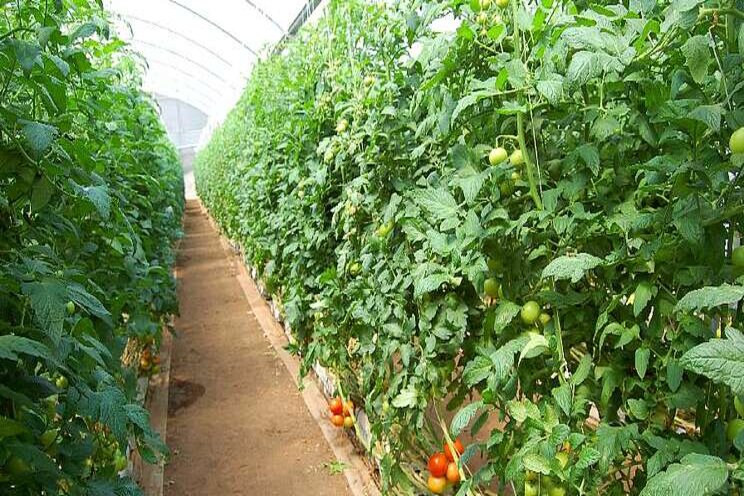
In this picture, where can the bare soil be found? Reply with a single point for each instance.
(236, 423)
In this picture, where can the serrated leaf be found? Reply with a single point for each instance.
(505, 313)
(440, 203)
(674, 373)
(463, 417)
(27, 54)
(571, 267)
(695, 475)
(551, 88)
(536, 463)
(720, 360)
(563, 397)
(710, 297)
(39, 136)
(41, 194)
(697, 56)
(710, 115)
(12, 346)
(477, 370)
(48, 300)
(99, 197)
(587, 457)
(90, 303)
(642, 356)
(430, 283)
(643, 294)
(470, 182)
(406, 398)
(582, 370)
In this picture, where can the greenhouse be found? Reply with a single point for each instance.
(357, 247)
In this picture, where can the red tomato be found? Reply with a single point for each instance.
(338, 420)
(336, 406)
(437, 485)
(458, 446)
(453, 475)
(438, 465)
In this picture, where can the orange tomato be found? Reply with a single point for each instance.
(437, 485)
(458, 446)
(453, 474)
(336, 406)
(338, 420)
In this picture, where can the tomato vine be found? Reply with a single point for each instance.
(90, 206)
(363, 176)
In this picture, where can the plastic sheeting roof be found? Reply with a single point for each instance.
(202, 51)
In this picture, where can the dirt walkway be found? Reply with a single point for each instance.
(236, 423)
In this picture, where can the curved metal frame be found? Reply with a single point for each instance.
(183, 57)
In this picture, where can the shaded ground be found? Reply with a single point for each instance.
(236, 422)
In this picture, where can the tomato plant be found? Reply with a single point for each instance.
(610, 230)
(90, 206)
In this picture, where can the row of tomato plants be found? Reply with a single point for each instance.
(90, 206)
(520, 212)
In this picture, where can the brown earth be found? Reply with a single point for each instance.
(236, 423)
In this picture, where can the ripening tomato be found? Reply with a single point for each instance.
(348, 422)
(458, 446)
(562, 458)
(348, 408)
(337, 420)
(336, 406)
(497, 155)
(144, 363)
(453, 474)
(438, 465)
(736, 142)
(557, 491)
(544, 318)
(530, 312)
(437, 485)
(516, 157)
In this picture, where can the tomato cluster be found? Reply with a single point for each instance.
(443, 467)
(341, 412)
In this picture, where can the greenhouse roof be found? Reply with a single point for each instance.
(202, 52)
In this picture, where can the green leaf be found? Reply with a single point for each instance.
(477, 370)
(9, 427)
(710, 115)
(12, 346)
(463, 417)
(587, 457)
(710, 297)
(642, 356)
(48, 300)
(536, 463)
(582, 370)
(695, 475)
(720, 360)
(41, 193)
(697, 56)
(571, 266)
(674, 373)
(643, 294)
(99, 197)
(406, 398)
(90, 303)
(563, 397)
(551, 88)
(505, 313)
(38, 135)
(27, 54)
(470, 182)
(430, 283)
(440, 203)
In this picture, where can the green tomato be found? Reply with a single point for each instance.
(497, 156)
(516, 176)
(544, 318)
(485, 4)
(562, 458)
(355, 269)
(733, 429)
(48, 437)
(502, 3)
(736, 142)
(62, 382)
(530, 312)
(516, 158)
(737, 256)
(530, 489)
(557, 491)
(491, 287)
(342, 126)
(385, 229)
(120, 462)
(70, 308)
(16, 466)
(739, 405)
